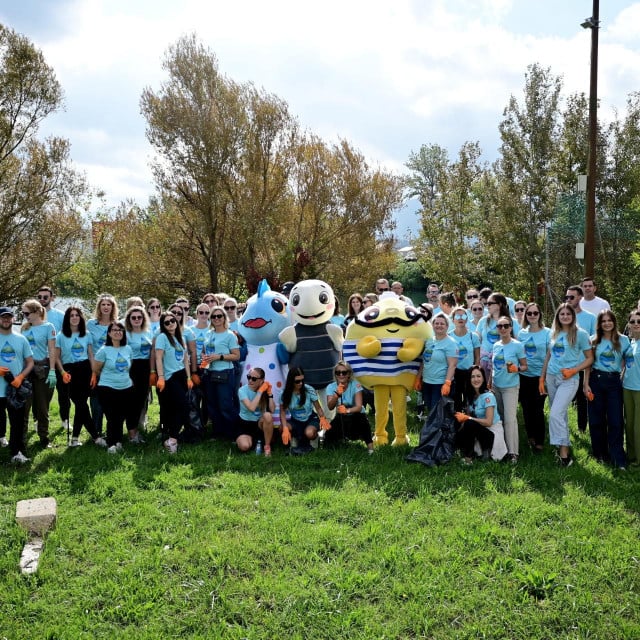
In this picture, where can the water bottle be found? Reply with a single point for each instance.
(259, 448)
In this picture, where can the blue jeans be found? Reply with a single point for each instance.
(561, 393)
(221, 406)
(605, 417)
(431, 394)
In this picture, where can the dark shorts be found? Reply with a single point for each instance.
(249, 428)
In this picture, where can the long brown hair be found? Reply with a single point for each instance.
(615, 336)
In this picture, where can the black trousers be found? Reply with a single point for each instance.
(468, 433)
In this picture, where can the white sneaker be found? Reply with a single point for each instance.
(100, 442)
(19, 458)
(171, 445)
(137, 439)
(112, 449)
(118, 446)
(75, 442)
(65, 425)
(4, 442)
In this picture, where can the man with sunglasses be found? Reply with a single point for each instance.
(382, 285)
(586, 321)
(183, 303)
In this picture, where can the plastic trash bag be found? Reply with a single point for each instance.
(437, 438)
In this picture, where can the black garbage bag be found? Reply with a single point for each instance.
(194, 431)
(17, 398)
(437, 438)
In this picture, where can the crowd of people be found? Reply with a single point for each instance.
(489, 354)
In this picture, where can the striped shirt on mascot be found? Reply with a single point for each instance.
(383, 345)
(313, 343)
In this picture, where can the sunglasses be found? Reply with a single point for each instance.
(503, 326)
(202, 312)
(217, 316)
(340, 373)
(136, 317)
(634, 321)
(229, 308)
(169, 322)
(472, 297)
(475, 309)
(569, 298)
(299, 380)
(209, 300)
(154, 306)
(519, 309)
(117, 330)
(253, 378)
(45, 298)
(492, 302)
(26, 313)
(459, 317)
(533, 313)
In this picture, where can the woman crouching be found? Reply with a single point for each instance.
(256, 412)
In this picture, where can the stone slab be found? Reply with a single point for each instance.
(31, 556)
(37, 516)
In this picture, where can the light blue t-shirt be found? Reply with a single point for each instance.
(512, 352)
(38, 337)
(98, 333)
(303, 412)
(220, 342)
(55, 317)
(586, 321)
(172, 357)
(116, 364)
(606, 358)
(536, 344)
(480, 405)
(565, 356)
(14, 350)
(74, 348)
(434, 359)
(140, 343)
(200, 336)
(466, 345)
(247, 393)
(348, 398)
(631, 378)
(489, 335)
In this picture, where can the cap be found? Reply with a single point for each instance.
(4, 311)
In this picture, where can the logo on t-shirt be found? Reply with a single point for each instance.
(7, 353)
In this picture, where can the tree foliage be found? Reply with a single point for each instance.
(40, 193)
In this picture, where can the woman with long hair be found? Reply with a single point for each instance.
(507, 362)
(41, 337)
(140, 340)
(480, 422)
(301, 401)
(631, 389)
(111, 366)
(221, 350)
(105, 313)
(603, 389)
(354, 307)
(535, 338)
(172, 366)
(477, 313)
(569, 353)
(200, 330)
(344, 395)
(74, 354)
(154, 309)
(256, 412)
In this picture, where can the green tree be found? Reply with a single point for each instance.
(40, 193)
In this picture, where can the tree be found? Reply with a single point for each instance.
(40, 193)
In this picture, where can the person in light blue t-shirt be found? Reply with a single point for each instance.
(256, 412)
(631, 389)
(569, 353)
(603, 389)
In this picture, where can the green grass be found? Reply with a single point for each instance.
(214, 544)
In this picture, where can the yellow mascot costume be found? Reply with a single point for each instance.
(383, 345)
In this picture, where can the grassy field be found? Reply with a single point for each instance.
(214, 544)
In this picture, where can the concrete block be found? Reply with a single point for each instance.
(37, 516)
(30, 557)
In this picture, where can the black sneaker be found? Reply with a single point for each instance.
(566, 462)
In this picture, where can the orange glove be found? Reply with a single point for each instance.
(196, 379)
(461, 417)
(342, 409)
(589, 395)
(189, 383)
(270, 389)
(153, 379)
(3, 371)
(264, 387)
(341, 389)
(17, 381)
(94, 381)
(417, 384)
(286, 435)
(512, 368)
(66, 377)
(445, 389)
(205, 361)
(325, 424)
(160, 384)
(568, 373)
(541, 389)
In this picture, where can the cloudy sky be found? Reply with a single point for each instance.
(388, 75)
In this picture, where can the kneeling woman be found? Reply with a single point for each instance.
(300, 400)
(111, 367)
(345, 395)
(481, 422)
(256, 412)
